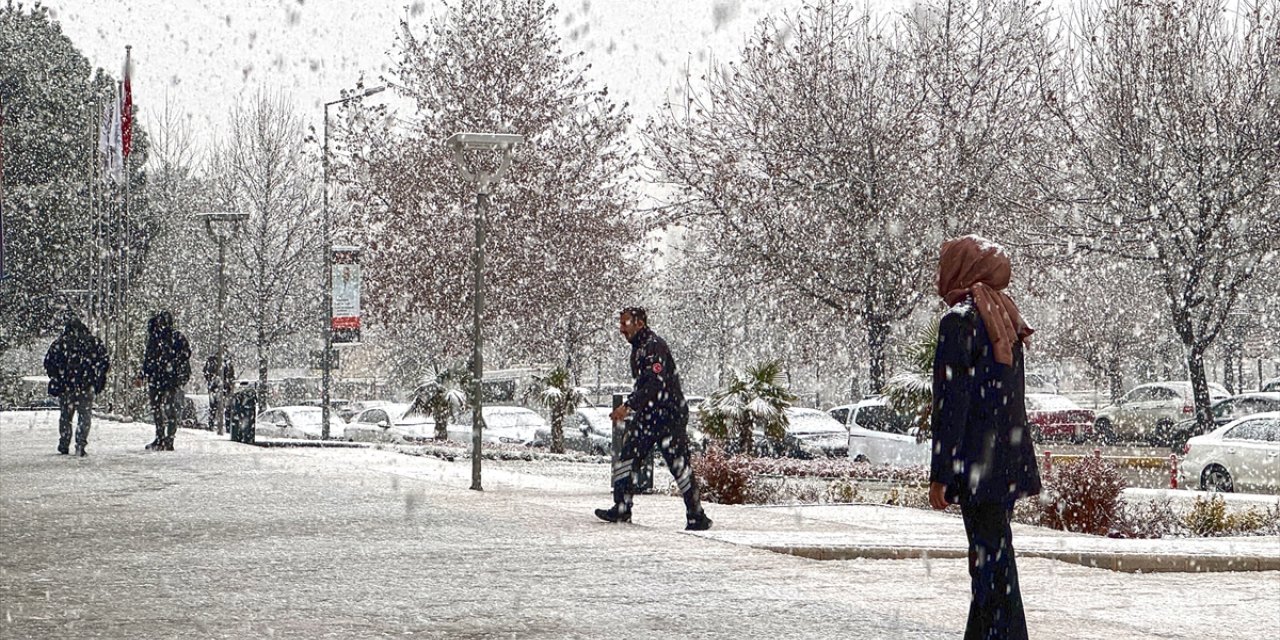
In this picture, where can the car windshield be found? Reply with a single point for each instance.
(811, 421)
(308, 415)
(502, 418)
(882, 418)
(1038, 402)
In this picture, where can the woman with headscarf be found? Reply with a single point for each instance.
(983, 457)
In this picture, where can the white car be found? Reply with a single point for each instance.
(880, 435)
(300, 422)
(814, 428)
(1243, 455)
(1149, 412)
(502, 424)
(391, 422)
(587, 429)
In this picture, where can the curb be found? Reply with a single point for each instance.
(1114, 561)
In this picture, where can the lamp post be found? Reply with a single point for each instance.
(326, 358)
(460, 143)
(229, 223)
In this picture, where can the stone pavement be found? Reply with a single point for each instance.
(221, 540)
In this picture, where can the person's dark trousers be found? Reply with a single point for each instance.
(164, 412)
(636, 445)
(74, 405)
(995, 611)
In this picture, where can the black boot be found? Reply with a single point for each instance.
(612, 515)
(154, 445)
(80, 452)
(63, 447)
(166, 444)
(698, 522)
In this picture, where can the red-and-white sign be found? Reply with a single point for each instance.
(345, 280)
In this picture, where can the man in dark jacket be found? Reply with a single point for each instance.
(77, 367)
(219, 380)
(982, 453)
(658, 416)
(166, 367)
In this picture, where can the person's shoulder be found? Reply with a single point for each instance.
(960, 314)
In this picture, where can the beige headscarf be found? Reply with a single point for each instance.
(974, 265)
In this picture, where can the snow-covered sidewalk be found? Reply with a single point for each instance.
(219, 539)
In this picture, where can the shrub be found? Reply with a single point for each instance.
(721, 478)
(842, 490)
(1210, 518)
(1142, 519)
(1083, 496)
(1207, 517)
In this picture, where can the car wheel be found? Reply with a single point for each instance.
(1103, 432)
(1036, 435)
(1215, 478)
(860, 458)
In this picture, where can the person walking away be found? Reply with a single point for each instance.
(166, 367)
(656, 415)
(982, 458)
(219, 389)
(77, 365)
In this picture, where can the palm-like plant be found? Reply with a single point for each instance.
(441, 398)
(560, 398)
(911, 392)
(755, 397)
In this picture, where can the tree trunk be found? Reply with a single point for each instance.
(877, 343)
(746, 444)
(1200, 388)
(1115, 381)
(557, 428)
(442, 424)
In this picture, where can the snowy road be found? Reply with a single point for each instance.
(224, 540)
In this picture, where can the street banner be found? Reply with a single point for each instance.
(345, 280)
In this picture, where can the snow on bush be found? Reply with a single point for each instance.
(1083, 496)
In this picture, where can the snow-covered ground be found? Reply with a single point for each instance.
(224, 540)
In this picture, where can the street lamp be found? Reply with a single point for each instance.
(221, 225)
(460, 143)
(326, 358)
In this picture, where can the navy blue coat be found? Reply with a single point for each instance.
(982, 448)
(657, 400)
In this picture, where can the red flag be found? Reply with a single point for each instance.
(126, 109)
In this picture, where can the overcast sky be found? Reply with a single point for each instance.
(206, 54)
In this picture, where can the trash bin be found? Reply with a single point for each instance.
(643, 483)
(244, 409)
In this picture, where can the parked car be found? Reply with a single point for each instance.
(350, 410)
(1051, 416)
(194, 413)
(301, 422)
(810, 434)
(1243, 455)
(1149, 411)
(502, 424)
(1271, 385)
(1227, 410)
(1038, 383)
(391, 422)
(587, 429)
(880, 435)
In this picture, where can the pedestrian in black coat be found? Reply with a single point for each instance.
(656, 415)
(166, 367)
(983, 457)
(77, 365)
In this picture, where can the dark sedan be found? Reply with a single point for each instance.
(1225, 411)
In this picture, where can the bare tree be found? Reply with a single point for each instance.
(830, 162)
(561, 230)
(1173, 112)
(261, 167)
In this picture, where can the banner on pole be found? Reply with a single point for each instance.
(345, 280)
